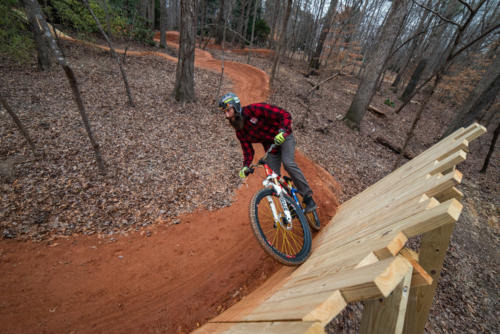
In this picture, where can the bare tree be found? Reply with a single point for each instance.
(43, 49)
(221, 24)
(256, 3)
(376, 62)
(34, 14)
(456, 48)
(485, 92)
(184, 78)
(492, 148)
(281, 42)
(163, 23)
(328, 20)
(113, 54)
(18, 122)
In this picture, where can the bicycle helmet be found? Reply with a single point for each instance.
(230, 100)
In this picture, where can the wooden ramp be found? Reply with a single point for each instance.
(361, 255)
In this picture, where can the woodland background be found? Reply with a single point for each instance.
(369, 84)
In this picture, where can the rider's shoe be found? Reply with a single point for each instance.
(310, 204)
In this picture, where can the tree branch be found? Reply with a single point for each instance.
(475, 40)
(437, 14)
(466, 5)
(322, 82)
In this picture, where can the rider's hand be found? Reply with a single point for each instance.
(244, 171)
(279, 138)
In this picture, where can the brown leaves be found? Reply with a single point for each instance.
(163, 158)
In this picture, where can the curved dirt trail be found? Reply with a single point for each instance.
(168, 282)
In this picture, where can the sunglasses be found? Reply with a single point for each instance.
(224, 109)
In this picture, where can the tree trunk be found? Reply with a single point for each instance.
(245, 27)
(315, 61)
(274, 19)
(203, 12)
(486, 90)
(413, 46)
(113, 54)
(415, 78)
(20, 126)
(105, 4)
(281, 42)
(220, 24)
(492, 148)
(314, 30)
(241, 20)
(163, 23)
(34, 14)
(42, 48)
(151, 14)
(184, 78)
(253, 29)
(375, 63)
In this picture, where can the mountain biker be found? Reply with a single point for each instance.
(266, 124)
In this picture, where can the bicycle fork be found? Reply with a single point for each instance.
(268, 182)
(277, 217)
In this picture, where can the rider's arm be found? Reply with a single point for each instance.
(248, 151)
(277, 115)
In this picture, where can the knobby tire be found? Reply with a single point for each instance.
(296, 243)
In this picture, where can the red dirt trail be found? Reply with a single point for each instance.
(169, 282)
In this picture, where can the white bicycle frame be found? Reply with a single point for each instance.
(271, 182)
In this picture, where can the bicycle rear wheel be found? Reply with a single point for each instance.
(313, 220)
(312, 217)
(288, 246)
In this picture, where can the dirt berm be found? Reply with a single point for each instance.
(167, 279)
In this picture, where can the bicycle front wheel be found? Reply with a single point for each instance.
(290, 244)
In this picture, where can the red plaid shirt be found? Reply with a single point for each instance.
(262, 122)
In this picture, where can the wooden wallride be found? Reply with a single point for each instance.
(361, 255)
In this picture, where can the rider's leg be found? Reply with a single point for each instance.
(274, 161)
(287, 150)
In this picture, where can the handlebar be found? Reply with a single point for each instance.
(261, 161)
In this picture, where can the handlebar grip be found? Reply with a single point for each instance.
(249, 171)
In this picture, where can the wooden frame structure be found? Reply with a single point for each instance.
(361, 255)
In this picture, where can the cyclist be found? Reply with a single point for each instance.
(265, 124)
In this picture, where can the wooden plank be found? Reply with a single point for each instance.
(386, 315)
(213, 328)
(327, 310)
(248, 303)
(416, 224)
(371, 258)
(417, 167)
(420, 277)
(449, 162)
(300, 300)
(348, 256)
(345, 223)
(449, 194)
(470, 133)
(443, 214)
(289, 327)
(432, 252)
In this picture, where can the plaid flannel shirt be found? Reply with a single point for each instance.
(262, 122)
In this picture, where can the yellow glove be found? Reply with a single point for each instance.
(279, 138)
(243, 172)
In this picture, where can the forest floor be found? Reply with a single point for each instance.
(136, 249)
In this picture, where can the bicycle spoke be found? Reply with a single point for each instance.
(292, 250)
(292, 237)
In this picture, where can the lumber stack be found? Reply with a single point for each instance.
(361, 255)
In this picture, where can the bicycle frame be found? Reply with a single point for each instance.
(274, 181)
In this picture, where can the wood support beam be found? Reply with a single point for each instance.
(432, 252)
(386, 315)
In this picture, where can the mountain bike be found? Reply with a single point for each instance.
(278, 219)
